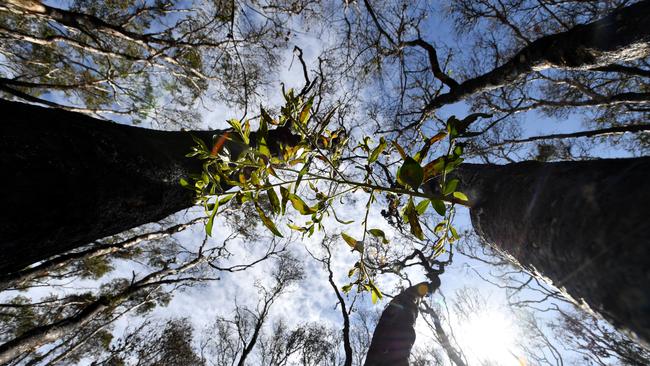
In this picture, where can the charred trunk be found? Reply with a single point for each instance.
(71, 179)
(584, 225)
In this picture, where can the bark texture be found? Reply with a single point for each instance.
(71, 179)
(583, 225)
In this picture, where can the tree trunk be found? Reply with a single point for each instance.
(394, 334)
(71, 179)
(454, 355)
(583, 225)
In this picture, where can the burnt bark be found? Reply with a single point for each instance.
(583, 225)
(71, 179)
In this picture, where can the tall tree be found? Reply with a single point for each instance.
(102, 178)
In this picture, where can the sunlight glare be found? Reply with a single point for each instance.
(488, 335)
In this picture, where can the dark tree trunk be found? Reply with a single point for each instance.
(584, 225)
(70, 179)
(394, 334)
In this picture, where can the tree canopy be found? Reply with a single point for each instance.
(492, 145)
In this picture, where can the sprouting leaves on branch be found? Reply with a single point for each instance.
(295, 153)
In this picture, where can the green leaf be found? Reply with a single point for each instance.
(300, 205)
(375, 293)
(274, 201)
(439, 136)
(379, 234)
(304, 114)
(450, 186)
(200, 142)
(454, 233)
(461, 196)
(225, 199)
(351, 271)
(247, 130)
(267, 221)
(410, 173)
(422, 207)
(265, 116)
(285, 198)
(297, 228)
(236, 125)
(208, 225)
(302, 172)
(458, 150)
(263, 148)
(350, 240)
(412, 217)
(184, 183)
(347, 288)
(353, 243)
(439, 206)
(427, 145)
(378, 150)
(452, 124)
(400, 150)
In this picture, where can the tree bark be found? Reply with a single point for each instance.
(394, 334)
(71, 179)
(583, 225)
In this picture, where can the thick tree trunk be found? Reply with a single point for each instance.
(70, 179)
(584, 225)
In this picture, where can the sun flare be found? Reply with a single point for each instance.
(488, 335)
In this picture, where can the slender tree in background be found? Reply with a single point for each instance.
(155, 343)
